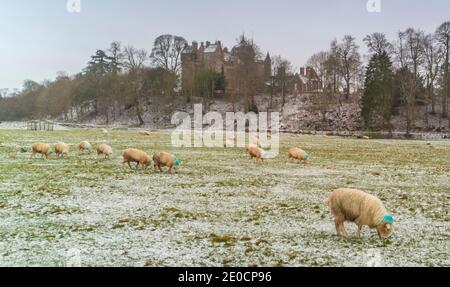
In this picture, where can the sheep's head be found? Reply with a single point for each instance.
(147, 161)
(386, 228)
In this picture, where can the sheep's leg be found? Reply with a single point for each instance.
(129, 164)
(337, 223)
(170, 169)
(360, 227)
(340, 227)
(32, 155)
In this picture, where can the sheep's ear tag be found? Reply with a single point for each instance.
(177, 161)
(389, 219)
(307, 155)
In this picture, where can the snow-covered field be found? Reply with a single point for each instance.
(221, 209)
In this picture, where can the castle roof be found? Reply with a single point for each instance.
(211, 48)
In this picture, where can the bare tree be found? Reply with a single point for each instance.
(4, 93)
(349, 59)
(377, 43)
(135, 60)
(318, 63)
(443, 39)
(167, 51)
(327, 71)
(432, 60)
(333, 78)
(409, 55)
(282, 74)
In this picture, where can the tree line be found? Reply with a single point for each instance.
(403, 76)
(117, 80)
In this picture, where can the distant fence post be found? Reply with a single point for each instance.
(40, 126)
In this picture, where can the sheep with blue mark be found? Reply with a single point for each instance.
(361, 208)
(164, 159)
(256, 152)
(298, 154)
(85, 146)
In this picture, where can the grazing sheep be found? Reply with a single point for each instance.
(41, 148)
(256, 152)
(230, 142)
(105, 150)
(61, 149)
(361, 208)
(104, 131)
(362, 137)
(145, 132)
(161, 159)
(85, 146)
(298, 154)
(138, 156)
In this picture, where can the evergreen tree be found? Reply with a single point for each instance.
(101, 64)
(377, 100)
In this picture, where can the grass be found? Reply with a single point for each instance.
(220, 208)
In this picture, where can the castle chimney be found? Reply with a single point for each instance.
(309, 72)
(208, 43)
(195, 45)
(302, 71)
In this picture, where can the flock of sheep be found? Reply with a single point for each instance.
(345, 204)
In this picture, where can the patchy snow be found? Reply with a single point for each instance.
(23, 126)
(220, 209)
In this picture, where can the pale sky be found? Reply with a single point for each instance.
(38, 38)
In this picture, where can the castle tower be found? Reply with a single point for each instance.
(267, 66)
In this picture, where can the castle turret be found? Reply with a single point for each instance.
(267, 66)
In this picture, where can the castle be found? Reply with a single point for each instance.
(218, 59)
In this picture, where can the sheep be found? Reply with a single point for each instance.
(61, 149)
(256, 152)
(104, 131)
(161, 159)
(41, 148)
(145, 132)
(138, 156)
(230, 142)
(298, 154)
(361, 208)
(85, 146)
(105, 150)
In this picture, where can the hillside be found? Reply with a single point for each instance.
(300, 114)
